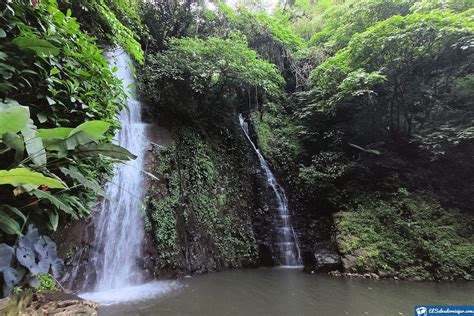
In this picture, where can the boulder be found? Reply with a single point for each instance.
(325, 258)
(348, 262)
(326, 261)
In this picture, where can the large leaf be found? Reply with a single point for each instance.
(6, 256)
(22, 176)
(34, 144)
(91, 184)
(41, 47)
(13, 117)
(63, 138)
(31, 237)
(9, 224)
(38, 253)
(55, 133)
(87, 132)
(57, 201)
(95, 129)
(26, 257)
(11, 278)
(106, 149)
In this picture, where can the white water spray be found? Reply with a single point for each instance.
(286, 242)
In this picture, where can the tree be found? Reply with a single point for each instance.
(400, 74)
(196, 76)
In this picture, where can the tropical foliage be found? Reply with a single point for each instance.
(58, 107)
(208, 76)
(363, 108)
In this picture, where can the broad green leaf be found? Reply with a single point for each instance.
(107, 149)
(96, 129)
(58, 132)
(13, 117)
(22, 176)
(7, 223)
(74, 173)
(56, 201)
(41, 47)
(34, 144)
(16, 211)
(64, 138)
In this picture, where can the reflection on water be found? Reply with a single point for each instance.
(291, 292)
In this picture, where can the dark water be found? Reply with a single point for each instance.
(292, 292)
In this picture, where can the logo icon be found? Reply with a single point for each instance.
(421, 311)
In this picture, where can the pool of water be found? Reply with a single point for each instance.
(277, 291)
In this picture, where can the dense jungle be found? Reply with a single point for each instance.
(145, 144)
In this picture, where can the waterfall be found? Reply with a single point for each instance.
(286, 241)
(119, 228)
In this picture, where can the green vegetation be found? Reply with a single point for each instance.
(58, 107)
(363, 108)
(198, 206)
(385, 106)
(99, 17)
(207, 76)
(408, 234)
(376, 99)
(47, 283)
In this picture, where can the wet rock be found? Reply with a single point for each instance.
(326, 260)
(348, 262)
(49, 303)
(383, 274)
(323, 259)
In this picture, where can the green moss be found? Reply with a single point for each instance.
(203, 195)
(408, 233)
(277, 137)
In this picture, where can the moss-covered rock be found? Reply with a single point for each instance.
(199, 212)
(407, 234)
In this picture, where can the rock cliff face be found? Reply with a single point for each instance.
(203, 211)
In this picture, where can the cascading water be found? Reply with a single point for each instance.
(286, 242)
(119, 229)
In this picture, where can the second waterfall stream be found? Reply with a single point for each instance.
(119, 229)
(286, 248)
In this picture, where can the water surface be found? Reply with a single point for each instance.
(291, 292)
